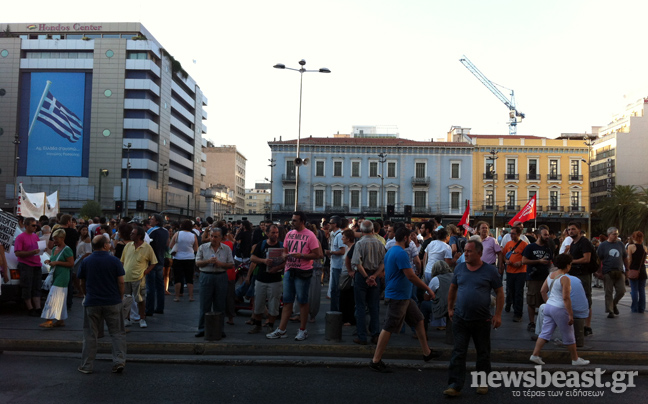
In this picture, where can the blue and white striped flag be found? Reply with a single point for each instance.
(64, 122)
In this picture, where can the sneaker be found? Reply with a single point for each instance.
(536, 359)
(451, 392)
(531, 327)
(580, 362)
(610, 315)
(118, 368)
(482, 390)
(301, 335)
(255, 330)
(277, 334)
(379, 367)
(616, 311)
(588, 331)
(143, 323)
(431, 355)
(128, 322)
(517, 319)
(84, 371)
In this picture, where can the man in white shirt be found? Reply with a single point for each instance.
(437, 250)
(564, 247)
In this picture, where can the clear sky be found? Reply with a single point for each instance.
(570, 62)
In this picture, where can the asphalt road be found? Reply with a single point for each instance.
(41, 378)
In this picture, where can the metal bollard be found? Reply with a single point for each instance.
(214, 326)
(579, 331)
(333, 330)
(449, 338)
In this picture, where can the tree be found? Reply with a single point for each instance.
(90, 209)
(621, 209)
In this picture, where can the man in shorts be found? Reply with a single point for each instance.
(399, 277)
(537, 257)
(139, 260)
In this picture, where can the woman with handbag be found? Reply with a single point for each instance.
(62, 261)
(637, 272)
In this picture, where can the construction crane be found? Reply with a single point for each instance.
(515, 116)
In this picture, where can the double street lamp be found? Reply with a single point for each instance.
(298, 160)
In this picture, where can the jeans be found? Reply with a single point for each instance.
(155, 290)
(638, 294)
(515, 289)
(213, 292)
(335, 288)
(296, 288)
(462, 331)
(93, 323)
(366, 297)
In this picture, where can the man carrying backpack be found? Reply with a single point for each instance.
(581, 250)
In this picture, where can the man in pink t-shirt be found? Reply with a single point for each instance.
(300, 249)
(29, 266)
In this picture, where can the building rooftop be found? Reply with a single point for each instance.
(354, 141)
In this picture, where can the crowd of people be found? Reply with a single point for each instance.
(429, 275)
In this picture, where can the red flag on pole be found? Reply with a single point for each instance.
(528, 212)
(465, 219)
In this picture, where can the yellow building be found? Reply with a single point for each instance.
(508, 171)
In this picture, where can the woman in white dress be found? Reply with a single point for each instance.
(62, 260)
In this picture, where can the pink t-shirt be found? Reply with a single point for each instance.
(28, 242)
(302, 242)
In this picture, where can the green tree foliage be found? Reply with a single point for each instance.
(626, 209)
(90, 209)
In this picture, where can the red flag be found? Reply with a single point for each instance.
(528, 212)
(465, 218)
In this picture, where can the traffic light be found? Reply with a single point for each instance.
(119, 206)
(139, 205)
(390, 210)
(408, 210)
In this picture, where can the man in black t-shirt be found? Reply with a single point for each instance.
(268, 284)
(581, 250)
(537, 257)
(244, 241)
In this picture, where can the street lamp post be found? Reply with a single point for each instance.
(493, 157)
(589, 142)
(163, 196)
(102, 173)
(128, 165)
(383, 158)
(298, 160)
(271, 181)
(16, 142)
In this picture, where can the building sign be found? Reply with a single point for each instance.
(64, 28)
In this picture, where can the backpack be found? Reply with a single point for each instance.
(461, 244)
(594, 263)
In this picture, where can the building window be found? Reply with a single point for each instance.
(373, 199)
(355, 168)
(373, 169)
(489, 198)
(510, 199)
(574, 170)
(289, 197)
(420, 199)
(355, 199)
(510, 169)
(553, 169)
(532, 194)
(420, 170)
(319, 198)
(337, 198)
(391, 197)
(319, 168)
(490, 169)
(575, 200)
(391, 169)
(553, 199)
(533, 169)
(337, 168)
(290, 168)
(454, 200)
(454, 170)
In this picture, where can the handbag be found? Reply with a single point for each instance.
(508, 254)
(346, 282)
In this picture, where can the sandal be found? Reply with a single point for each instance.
(176, 299)
(47, 324)
(191, 299)
(59, 324)
(250, 322)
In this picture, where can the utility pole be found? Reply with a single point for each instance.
(493, 157)
(271, 165)
(589, 142)
(16, 142)
(383, 158)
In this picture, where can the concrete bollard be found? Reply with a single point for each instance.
(214, 326)
(333, 330)
(449, 338)
(579, 331)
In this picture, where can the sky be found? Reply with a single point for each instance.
(573, 64)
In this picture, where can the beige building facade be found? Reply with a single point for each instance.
(226, 165)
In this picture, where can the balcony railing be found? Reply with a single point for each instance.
(575, 177)
(420, 181)
(552, 208)
(538, 208)
(489, 207)
(554, 177)
(512, 207)
(337, 209)
(490, 176)
(288, 178)
(509, 176)
(533, 177)
(371, 209)
(577, 208)
(421, 210)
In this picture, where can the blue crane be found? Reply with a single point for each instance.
(515, 116)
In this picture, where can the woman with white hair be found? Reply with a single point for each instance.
(61, 262)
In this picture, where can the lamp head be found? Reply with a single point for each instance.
(279, 66)
(324, 70)
(302, 62)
